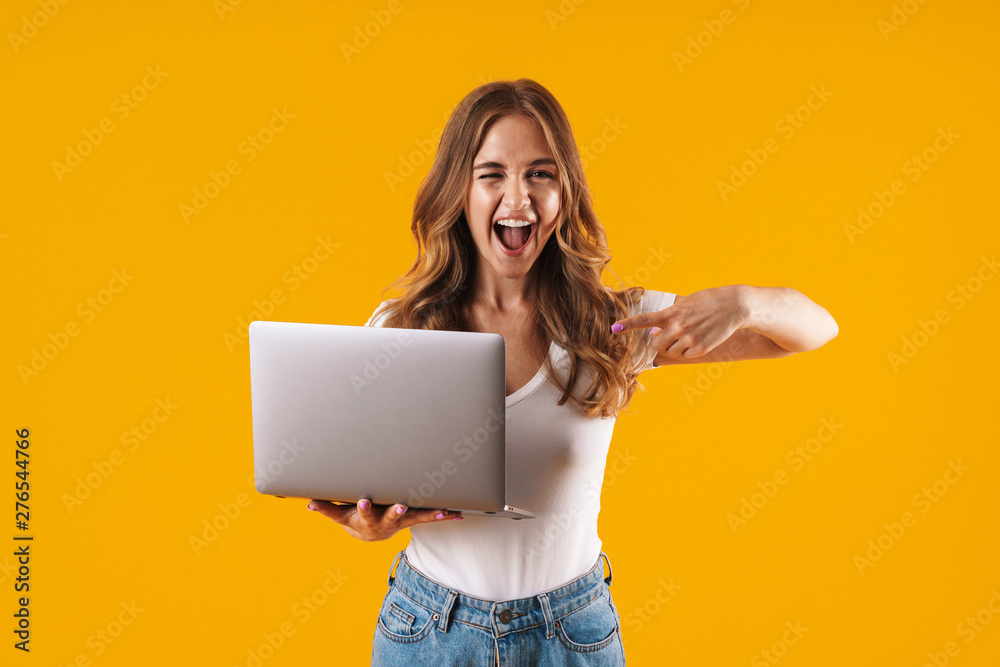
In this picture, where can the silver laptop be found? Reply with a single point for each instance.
(407, 416)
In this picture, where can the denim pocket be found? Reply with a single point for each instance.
(402, 619)
(592, 627)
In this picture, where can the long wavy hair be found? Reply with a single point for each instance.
(574, 308)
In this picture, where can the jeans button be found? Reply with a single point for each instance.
(505, 616)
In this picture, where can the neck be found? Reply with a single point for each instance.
(494, 292)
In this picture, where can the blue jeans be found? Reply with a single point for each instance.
(424, 623)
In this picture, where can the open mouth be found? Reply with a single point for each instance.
(513, 238)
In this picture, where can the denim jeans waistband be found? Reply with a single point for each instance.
(505, 616)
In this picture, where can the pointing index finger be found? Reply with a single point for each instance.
(640, 321)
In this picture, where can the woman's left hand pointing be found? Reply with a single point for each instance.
(695, 324)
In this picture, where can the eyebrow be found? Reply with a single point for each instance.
(533, 163)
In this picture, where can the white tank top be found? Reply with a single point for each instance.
(555, 460)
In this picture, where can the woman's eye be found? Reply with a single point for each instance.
(543, 174)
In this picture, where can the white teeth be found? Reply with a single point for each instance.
(513, 223)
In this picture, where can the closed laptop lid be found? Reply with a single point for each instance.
(395, 415)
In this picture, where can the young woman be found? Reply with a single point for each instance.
(508, 243)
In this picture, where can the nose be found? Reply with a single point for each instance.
(516, 194)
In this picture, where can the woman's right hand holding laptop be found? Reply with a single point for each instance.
(372, 523)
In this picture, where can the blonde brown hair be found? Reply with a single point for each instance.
(574, 308)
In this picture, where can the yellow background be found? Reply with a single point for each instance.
(359, 116)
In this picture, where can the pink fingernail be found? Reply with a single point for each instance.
(440, 515)
(400, 510)
(656, 331)
(616, 327)
(363, 504)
